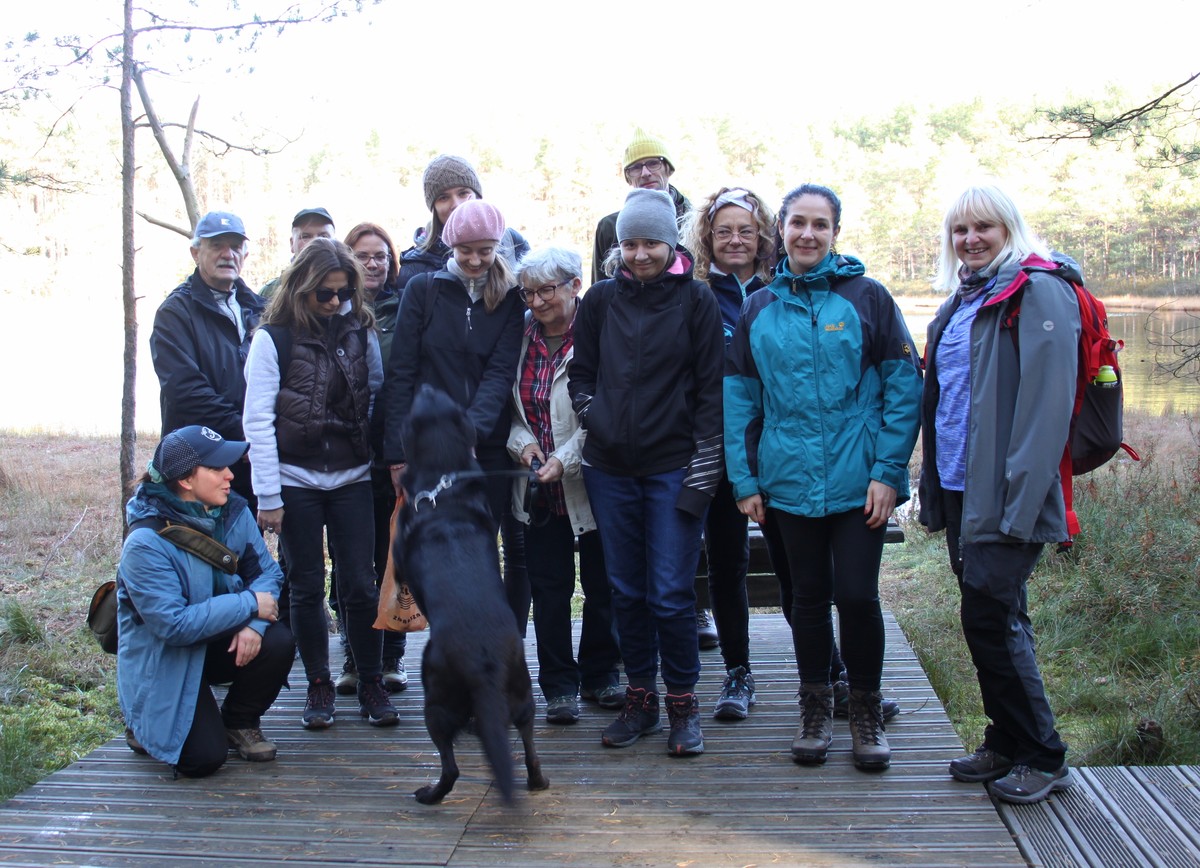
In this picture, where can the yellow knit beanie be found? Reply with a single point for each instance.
(645, 145)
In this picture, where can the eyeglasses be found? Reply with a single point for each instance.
(368, 258)
(545, 293)
(324, 296)
(725, 234)
(653, 164)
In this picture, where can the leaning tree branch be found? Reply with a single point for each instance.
(186, 233)
(1088, 125)
(180, 170)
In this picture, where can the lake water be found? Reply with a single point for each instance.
(1146, 386)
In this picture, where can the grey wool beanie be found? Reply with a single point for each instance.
(648, 214)
(445, 172)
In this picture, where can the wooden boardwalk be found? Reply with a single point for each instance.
(344, 796)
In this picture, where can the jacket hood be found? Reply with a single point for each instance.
(680, 267)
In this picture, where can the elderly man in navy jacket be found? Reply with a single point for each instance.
(201, 335)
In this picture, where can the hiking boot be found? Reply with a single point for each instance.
(869, 744)
(683, 712)
(251, 744)
(841, 702)
(983, 765)
(811, 744)
(736, 696)
(318, 706)
(374, 704)
(395, 676)
(134, 744)
(706, 630)
(347, 682)
(611, 696)
(1025, 785)
(638, 717)
(562, 709)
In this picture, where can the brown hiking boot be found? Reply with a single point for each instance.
(870, 745)
(251, 744)
(811, 744)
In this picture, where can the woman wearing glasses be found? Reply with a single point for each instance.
(313, 368)
(545, 429)
(730, 234)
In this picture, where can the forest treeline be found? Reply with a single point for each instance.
(1135, 230)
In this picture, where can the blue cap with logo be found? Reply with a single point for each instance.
(185, 449)
(216, 223)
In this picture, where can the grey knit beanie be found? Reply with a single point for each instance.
(445, 172)
(648, 214)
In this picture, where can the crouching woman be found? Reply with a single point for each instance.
(185, 624)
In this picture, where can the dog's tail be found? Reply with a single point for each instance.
(491, 724)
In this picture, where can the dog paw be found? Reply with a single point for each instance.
(538, 783)
(428, 795)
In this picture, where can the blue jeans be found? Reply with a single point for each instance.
(347, 515)
(651, 550)
(551, 562)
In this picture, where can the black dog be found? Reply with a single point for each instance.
(474, 663)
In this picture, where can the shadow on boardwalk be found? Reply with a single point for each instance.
(344, 796)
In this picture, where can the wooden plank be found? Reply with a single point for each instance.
(345, 795)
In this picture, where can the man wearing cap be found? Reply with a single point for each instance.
(646, 166)
(201, 336)
(306, 225)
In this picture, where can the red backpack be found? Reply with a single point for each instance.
(1096, 419)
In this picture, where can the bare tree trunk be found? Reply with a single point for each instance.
(128, 298)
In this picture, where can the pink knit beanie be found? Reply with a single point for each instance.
(473, 220)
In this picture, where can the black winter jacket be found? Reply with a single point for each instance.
(199, 359)
(457, 347)
(645, 380)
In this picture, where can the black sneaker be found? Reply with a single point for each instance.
(638, 717)
(983, 765)
(347, 682)
(374, 704)
(736, 696)
(318, 706)
(1025, 785)
(841, 702)
(706, 630)
(611, 696)
(686, 739)
(562, 709)
(251, 744)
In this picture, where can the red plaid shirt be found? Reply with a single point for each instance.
(537, 374)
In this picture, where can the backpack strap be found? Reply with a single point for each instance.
(192, 541)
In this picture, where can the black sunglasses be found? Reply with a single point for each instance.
(324, 296)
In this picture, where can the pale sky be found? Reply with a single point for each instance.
(549, 62)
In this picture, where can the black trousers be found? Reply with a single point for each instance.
(252, 689)
(993, 577)
(834, 561)
(727, 549)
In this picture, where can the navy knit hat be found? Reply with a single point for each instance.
(648, 214)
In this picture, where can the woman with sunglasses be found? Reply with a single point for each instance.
(546, 430)
(313, 368)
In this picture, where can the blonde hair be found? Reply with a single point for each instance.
(697, 234)
(989, 203)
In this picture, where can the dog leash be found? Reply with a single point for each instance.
(447, 482)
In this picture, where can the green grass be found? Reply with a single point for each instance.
(1118, 637)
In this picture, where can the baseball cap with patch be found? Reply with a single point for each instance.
(216, 223)
(185, 449)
